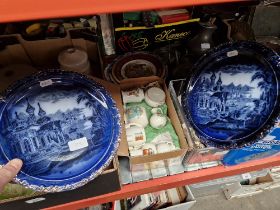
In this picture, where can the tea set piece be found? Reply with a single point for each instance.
(164, 136)
(232, 99)
(136, 114)
(158, 121)
(151, 148)
(157, 111)
(133, 96)
(163, 147)
(155, 97)
(135, 135)
(146, 119)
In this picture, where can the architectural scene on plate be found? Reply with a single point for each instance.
(233, 101)
(38, 129)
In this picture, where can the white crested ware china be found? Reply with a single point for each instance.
(133, 96)
(163, 147)
(155, 97)
(158, 121)
(135, 135)
(136, 114)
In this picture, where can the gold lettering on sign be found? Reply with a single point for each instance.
(168, 35)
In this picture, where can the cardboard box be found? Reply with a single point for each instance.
(128, 39)
(186, 205)
(43, 53)
(146, 162)
(98, 186)
(236, 190)
(146, 201)
(204, 186)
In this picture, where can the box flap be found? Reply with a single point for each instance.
(13, 52)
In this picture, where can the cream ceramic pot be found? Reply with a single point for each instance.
(155, 97)
(74, 59)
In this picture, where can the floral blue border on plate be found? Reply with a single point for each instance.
(63, 125)
(232, 99)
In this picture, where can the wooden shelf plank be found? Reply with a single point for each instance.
(173, 181)
(19, 10)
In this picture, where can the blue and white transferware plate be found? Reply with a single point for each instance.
(233, 97)
(64, 126)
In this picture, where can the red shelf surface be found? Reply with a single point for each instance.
(21, 10)
(173, 181)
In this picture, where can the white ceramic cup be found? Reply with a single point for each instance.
(163, 147)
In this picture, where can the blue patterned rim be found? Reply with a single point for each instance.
(63, 147)
(232, 99)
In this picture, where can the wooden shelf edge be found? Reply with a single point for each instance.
(173, 181)
(18, 10)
